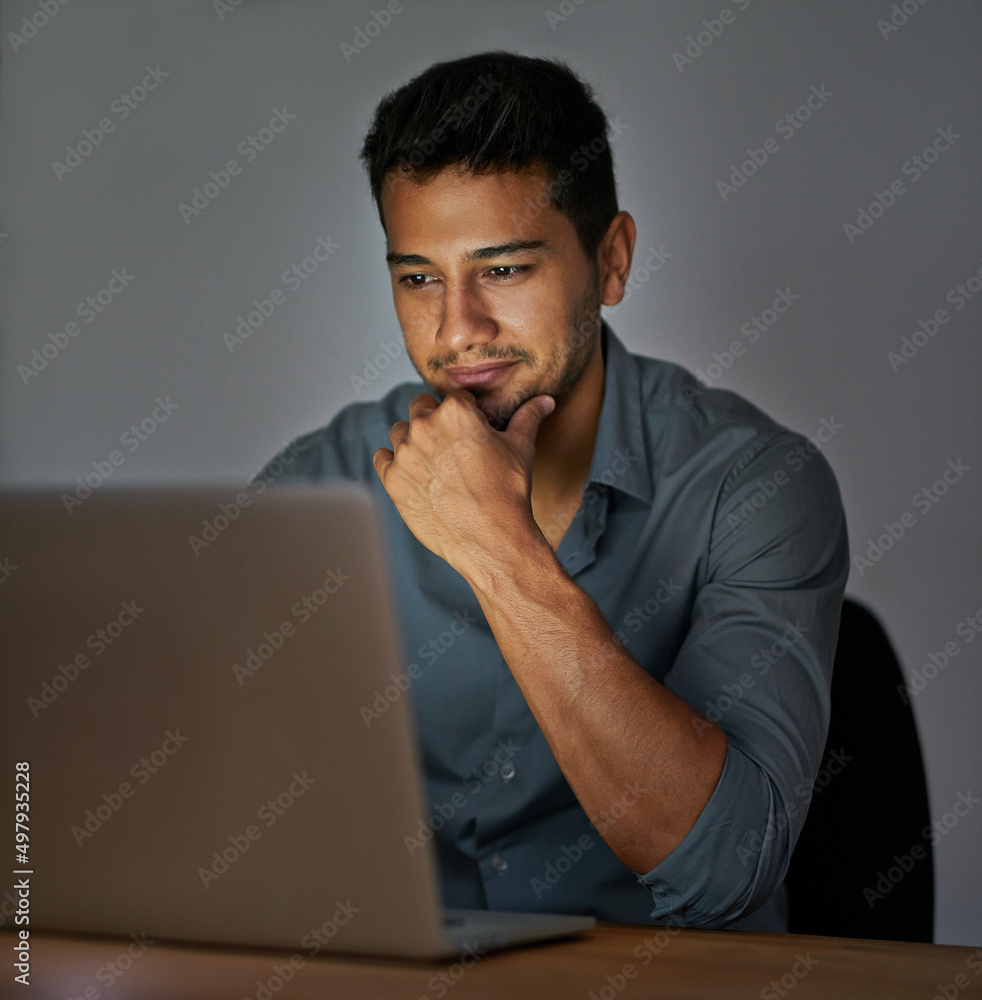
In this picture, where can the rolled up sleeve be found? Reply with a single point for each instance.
(757, 661)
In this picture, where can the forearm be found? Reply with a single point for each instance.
(641, 761)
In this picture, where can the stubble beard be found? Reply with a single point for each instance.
(563, 372)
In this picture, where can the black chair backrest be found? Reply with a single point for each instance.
(863, 866)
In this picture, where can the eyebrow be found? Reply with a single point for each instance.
(540, 247)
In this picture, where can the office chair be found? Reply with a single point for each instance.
(863, 866)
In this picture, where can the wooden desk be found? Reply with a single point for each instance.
(614, 961)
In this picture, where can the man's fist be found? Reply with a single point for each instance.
(462, 487)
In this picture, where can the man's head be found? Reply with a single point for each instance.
(494, 183)
(494, 112)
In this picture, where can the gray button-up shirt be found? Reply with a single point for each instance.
(713, 541)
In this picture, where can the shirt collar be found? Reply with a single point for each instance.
(620, 456)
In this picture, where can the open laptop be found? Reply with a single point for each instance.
(184, 672)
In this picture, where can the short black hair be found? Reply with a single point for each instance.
(499, 111)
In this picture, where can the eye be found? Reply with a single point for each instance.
(505, 271)
(415, 280)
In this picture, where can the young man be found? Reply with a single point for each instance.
(620, 589)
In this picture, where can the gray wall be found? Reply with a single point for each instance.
(826, 359)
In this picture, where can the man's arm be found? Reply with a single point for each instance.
(756, 658)
(628, 746)
(464, 491)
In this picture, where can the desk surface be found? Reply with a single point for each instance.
(615, 960)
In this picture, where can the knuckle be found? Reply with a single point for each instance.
(455, 403)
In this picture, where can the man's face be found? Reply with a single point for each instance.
(493, 291)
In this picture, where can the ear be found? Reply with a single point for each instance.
(614, 258)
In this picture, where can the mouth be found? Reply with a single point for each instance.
(466, 376)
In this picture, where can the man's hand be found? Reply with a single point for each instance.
(463, 488)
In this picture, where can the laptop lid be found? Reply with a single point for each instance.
(184, 676)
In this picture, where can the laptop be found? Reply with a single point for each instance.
(184, 677)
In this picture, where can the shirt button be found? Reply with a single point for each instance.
(507, 771)
(498, 863)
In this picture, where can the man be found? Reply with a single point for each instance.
(624, 588)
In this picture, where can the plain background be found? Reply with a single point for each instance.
(681, 131)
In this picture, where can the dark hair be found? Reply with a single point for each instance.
(498, 111)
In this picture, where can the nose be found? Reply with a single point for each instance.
(465, 321)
